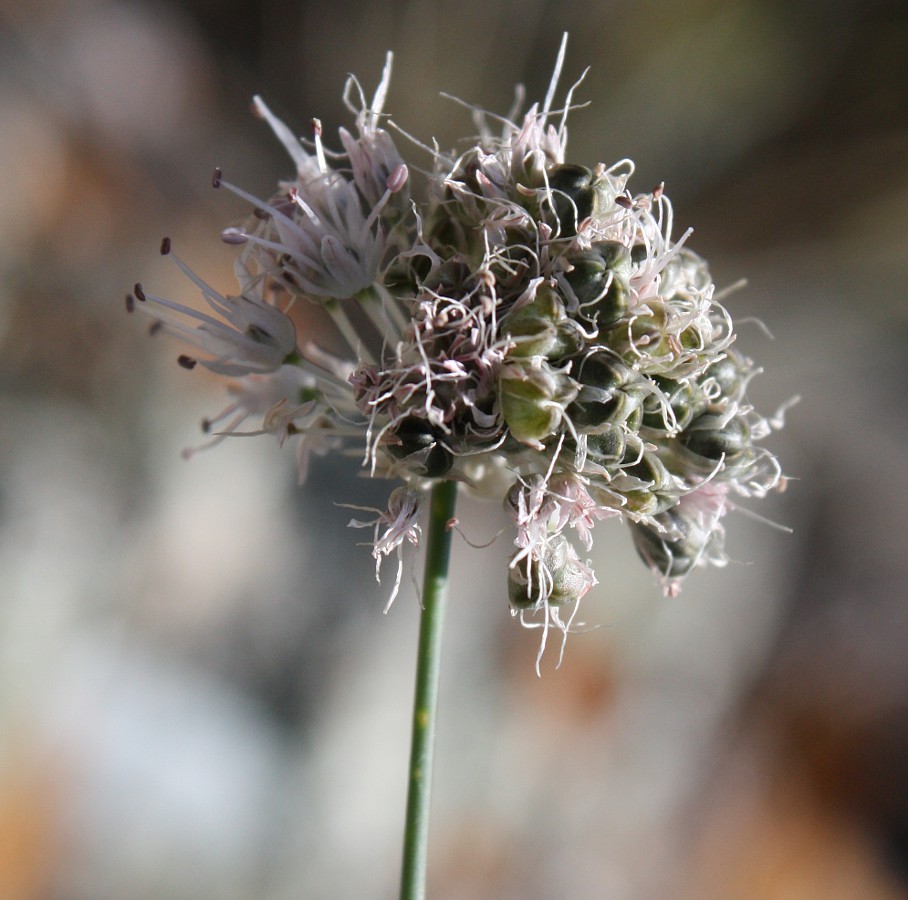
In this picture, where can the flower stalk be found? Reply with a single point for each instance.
(425, 702)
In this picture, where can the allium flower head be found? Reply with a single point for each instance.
(526, 326)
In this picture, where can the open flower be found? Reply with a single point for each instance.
(527, 327)
(252, 334)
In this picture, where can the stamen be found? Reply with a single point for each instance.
(319, 149)
(234, 236)
(397, 179)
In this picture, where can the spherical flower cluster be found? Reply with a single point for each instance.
(526, 326)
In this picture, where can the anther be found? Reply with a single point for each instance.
(624, 201)
(130, 303)
(155, 327)
(187, 362)
(206, 425)
(165, 246)
(397, 179)
(233, 236)
(140, 294)
(216, 178)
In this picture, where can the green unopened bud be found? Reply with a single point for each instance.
(663, 340)
(674, 552)
(610, 393)
(607, 447)
(530, 171)
(533, 398)
(416, 442)
(540, 327)
(725, 378)
(683, 398)
(712, 437)
(560, 579)
(599, 279)
(658, 491)
(685, 274)
(573, 195)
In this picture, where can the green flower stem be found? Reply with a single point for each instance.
(435, 583)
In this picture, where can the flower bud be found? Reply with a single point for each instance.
(673, 551)
(557, 579)
(607, 447)
(533, 398)
(599, 279)
(573, 196)
(652, 489)
(663, 340)
(713, 437)
(610, 393)
(417, 443)
(685, 274)
(684, 400)
(725, 378)
(540, 327)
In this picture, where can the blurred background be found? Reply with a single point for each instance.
(199, 694)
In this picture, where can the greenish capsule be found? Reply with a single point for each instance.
(599, 278)
(649, 468)
(685, 274)
(653, 337)
(709, 438)
(603, 370)
(532, 399)
(607, 447)
(645, 484)
(672, 552)
(609, 394)
(683, 398)
(560, 571)
(418, 443)
(453, 278)
(639, 254)
(727, 375)
(540, 328)
(658, 493)
(573, 195)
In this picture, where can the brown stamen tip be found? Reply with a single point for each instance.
(206, 425)
(130, 303)
(154, 328)
(165, 246)
(624, 201)
(140, 294)
(187, 362)
(216, 178)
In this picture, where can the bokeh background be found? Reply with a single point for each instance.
(199, 694)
